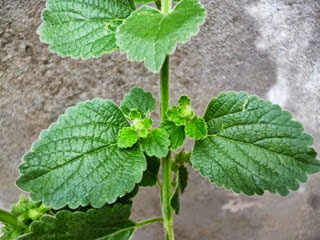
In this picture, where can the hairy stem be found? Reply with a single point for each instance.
(166, 162)
(8, 218)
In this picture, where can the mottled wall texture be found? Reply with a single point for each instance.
(270, 48)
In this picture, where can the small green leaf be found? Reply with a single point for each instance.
(134, 114)
(77, 161)
(184, 101)
(196, 128)
(253, 146)
(107, 223)
(156, 143)
(149, 35)
(83, 28)
(174, 116)
(127, 137)
(176, 133)
(138, 99)
(182, 157)
(183, 178)
(175, 201)
(150, 176)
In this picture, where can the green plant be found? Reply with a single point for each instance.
(88, 166)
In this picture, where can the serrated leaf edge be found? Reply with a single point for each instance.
(184, 39)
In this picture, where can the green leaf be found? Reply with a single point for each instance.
(253, 146)
(127, 137)
(183, 178)
(107, 223)
(138, 99)
(83, 28)
(149, 35)
(174, 116)
(196, 128)
(175, 201)
(176, 133)
(156, 143)
(77, 161)
(150, 176)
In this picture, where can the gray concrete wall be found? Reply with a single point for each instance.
(267, 47)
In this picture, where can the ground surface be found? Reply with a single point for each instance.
(269, 48)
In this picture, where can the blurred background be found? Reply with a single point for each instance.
(270, 48)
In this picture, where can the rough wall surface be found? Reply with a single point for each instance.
(268, 47)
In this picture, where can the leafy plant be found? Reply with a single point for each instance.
(88, 166)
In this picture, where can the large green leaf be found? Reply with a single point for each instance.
(83, 28)
(77, 161)
(107, 223)
(149, 35)
(253, 146)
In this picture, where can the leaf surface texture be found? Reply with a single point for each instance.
(77, 161)
(253, 146)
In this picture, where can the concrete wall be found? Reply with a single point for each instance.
(268, 47)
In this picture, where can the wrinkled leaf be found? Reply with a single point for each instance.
(196, 128)
(253, 146)
(156, 143)
(176, 133)
(83, 28)
(127, 137)
(107, 223)
(149, 35)
(138, 99)
(77, 162)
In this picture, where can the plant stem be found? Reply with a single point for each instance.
(8, 218)
(166, 162)
(148, 221)
(166, 6)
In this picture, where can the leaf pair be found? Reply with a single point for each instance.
(88, 28)
(251, 146)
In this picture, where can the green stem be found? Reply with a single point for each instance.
(166, 6)
(167, 212)
(166, 198)
(166, 162)
(8, 218)
(148, 221)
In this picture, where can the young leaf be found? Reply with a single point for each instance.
(156, 143)
(253, 146)
(83, 28)
(107, 223)
(176, 133)
(138, 99)
(150, 175)
(149, 35)
(196, 128)
(77, 162)
(127, 137)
